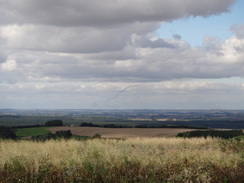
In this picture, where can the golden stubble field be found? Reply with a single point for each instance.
(122, 132)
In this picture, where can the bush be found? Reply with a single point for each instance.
(54, 123)
(97, 135)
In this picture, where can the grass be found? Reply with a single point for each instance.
(27, 132)
(130, 160)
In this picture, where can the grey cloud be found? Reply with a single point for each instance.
(239, 49)
(211, 43)
(158, 43)
(12, 76)
(176, 36)
(55, 39)
(3, 50)
(150, 65)
(107, 12)
(3, 55)
(122, 50)
(93, 26)
(171, 94)
(129, 52)
(238, 30)
(71, 39)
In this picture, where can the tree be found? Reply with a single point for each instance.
(64, 134)
(54, 123)
(7, 133)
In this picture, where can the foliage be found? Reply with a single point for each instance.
(45, 137)
(114, 126)
(149, 125)
(226, 134)
(89, 125)
(26, 126)
(97, 135)
(63, 134)
(54, 123)
(239, 137)
(131, 160)
(7, 133)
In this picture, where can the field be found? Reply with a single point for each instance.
(131, 160)
(122, 132)
(27, 132)
(128, 155)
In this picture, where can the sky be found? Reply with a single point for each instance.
(137, 54)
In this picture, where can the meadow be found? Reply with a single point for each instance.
(28, 132)
(129, 160)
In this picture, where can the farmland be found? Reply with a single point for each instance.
(229, 119)
(122, 132)
(135, 147)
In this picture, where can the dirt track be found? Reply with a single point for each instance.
(122, 132)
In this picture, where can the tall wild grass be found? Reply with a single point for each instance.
(132, 160)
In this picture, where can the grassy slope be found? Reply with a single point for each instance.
(130, 160)
(26, 132)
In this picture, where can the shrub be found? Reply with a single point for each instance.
(97, 136)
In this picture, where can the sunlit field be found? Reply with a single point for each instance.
(131, 160)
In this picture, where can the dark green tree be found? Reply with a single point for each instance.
(7, 133)
(54, 123)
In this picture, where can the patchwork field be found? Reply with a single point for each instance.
(122, 132)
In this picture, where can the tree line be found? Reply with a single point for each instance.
(226, 134)
(85, 124)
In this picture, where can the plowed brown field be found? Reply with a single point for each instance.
(122, 132)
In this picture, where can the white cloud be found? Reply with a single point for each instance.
(9, 65)
(40, 87)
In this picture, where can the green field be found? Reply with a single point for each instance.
(27, 132)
